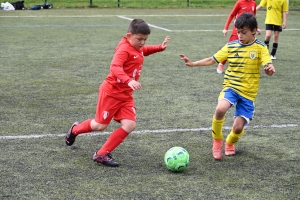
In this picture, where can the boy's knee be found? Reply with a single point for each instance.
(97, 126)
(101, 127)
(128, 125)
(268, 37)
(220, 113)
(131, 127)
(237, 129)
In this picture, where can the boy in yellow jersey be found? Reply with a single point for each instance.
(276, 16)
(241, 81)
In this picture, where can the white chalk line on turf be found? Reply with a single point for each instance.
(145, 131)
(151, 25)
(95, 16)
(203, 30)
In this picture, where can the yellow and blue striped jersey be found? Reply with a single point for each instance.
(244, 61)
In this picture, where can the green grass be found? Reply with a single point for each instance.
(142, 3)
(52, 62)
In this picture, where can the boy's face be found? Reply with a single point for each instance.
(137, 40)
(246, 36)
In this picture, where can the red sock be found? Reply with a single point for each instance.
(114, 140)
(83, 127)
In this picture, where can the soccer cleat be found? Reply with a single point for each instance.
(273, 57)
(220, 68)
(217, 149)
(229, 149)
(105, 159)
(70, 137)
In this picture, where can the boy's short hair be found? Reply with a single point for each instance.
(138, 26)
(246, 19)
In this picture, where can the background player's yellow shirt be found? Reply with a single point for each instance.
(244, 61)
(274, 9)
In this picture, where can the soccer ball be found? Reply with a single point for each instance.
(177, 159)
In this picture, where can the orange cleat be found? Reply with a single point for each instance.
(217, 149)
(229, 149)
(220, 68)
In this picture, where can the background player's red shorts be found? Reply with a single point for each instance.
(234, 35)
(109, 107)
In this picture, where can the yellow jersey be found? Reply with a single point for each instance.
(244, 61)
(274, 10)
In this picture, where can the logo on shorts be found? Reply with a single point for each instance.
(105, 114)
(253, 54)
(133, 110)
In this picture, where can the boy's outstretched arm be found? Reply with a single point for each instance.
(269, 69)
(165, 43)
(258, 7)
(204, 62)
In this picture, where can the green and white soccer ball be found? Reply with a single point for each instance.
(177, 159)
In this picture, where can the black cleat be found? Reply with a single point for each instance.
(105, 159)
(70, 137)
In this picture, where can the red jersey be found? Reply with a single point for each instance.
(240, 7)
(125, 66)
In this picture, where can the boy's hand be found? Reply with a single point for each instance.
(186, 60)
(165, 43)
(135, 85)
(258, 31)
(284, 25)
(269, 69)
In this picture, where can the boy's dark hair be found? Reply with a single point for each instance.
(246, 20)
(139, 26)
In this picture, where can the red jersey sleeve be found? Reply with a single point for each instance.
(232, 14)
(117, 66)
(151, 49)
(125, 58)
(240, 7)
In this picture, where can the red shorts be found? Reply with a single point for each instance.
(109, 107)
(234, 35)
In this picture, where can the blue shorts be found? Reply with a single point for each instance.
(244, 107)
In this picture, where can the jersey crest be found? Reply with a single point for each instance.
(253, 54)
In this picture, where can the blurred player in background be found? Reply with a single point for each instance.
(276, 18)
(239, 7)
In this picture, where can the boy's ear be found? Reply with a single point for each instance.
(254, 31)
(128, 35)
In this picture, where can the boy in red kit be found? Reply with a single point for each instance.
(115, 98)
(239, 7)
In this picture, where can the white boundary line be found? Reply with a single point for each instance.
(92, 16)
(127, 18)
(145, 131)
(151, 25)
(292, 29)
